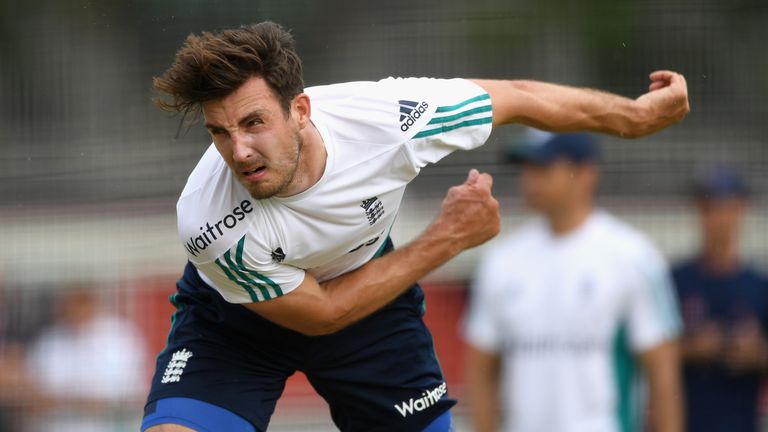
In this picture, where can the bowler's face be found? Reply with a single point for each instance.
(254, 135)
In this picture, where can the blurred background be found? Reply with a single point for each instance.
(90, 170)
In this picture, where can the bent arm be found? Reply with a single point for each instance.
(469, 217)
(323, 308)
(662, 367)
(560, 108)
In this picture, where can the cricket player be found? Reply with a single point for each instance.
(564, 307)
(286, 222)
(724, 303)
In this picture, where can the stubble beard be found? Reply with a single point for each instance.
(285, 173)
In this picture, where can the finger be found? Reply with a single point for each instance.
(657, 85)
(674, 79)
(662, 75)
(485, 181)
(472, 177)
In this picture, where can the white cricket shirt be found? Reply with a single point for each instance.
(378, 136)
(566, 313)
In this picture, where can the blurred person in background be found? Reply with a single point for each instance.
(88, 368)
(563, 307)
(724, 305)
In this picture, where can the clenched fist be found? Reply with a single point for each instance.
(666, 102)
(469, 214)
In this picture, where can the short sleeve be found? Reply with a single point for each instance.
(429, 117)
(250, 273)
(653, 315)
(480, 325)
(458, 115)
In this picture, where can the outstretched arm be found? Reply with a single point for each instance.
(559, 108)
(469, 217)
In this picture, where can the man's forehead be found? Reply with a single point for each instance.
(253, 96)
(558, 164)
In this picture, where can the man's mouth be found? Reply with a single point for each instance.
(255, 173)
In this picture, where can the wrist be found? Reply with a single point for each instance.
(439, 237)
(642, 119)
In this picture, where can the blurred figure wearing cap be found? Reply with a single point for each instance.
(563, 308)
(725, 310)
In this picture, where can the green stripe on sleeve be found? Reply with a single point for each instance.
(450, 118)
(268, 281)
(241, 265)
(461, 104)
(248, 281)
(448, 128)
(232, 277)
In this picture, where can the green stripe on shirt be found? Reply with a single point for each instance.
(232, 277)
(448, 128)
(243, 277)
(461, 104)
(239, 258)
(624, 376)
(467, 113)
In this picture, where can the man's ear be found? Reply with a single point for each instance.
(301, 109)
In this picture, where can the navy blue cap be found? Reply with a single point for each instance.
(574, 147)
(720, 182)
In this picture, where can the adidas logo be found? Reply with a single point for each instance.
(410, 111)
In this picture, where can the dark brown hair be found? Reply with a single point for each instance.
(213, 65)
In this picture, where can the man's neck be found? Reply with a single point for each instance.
(721, 257)
(312, 160)
(315, 154)
(568, 220)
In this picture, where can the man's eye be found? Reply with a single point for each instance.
(254, 122)
(217, 132)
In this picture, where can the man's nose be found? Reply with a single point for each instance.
(241, 150)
